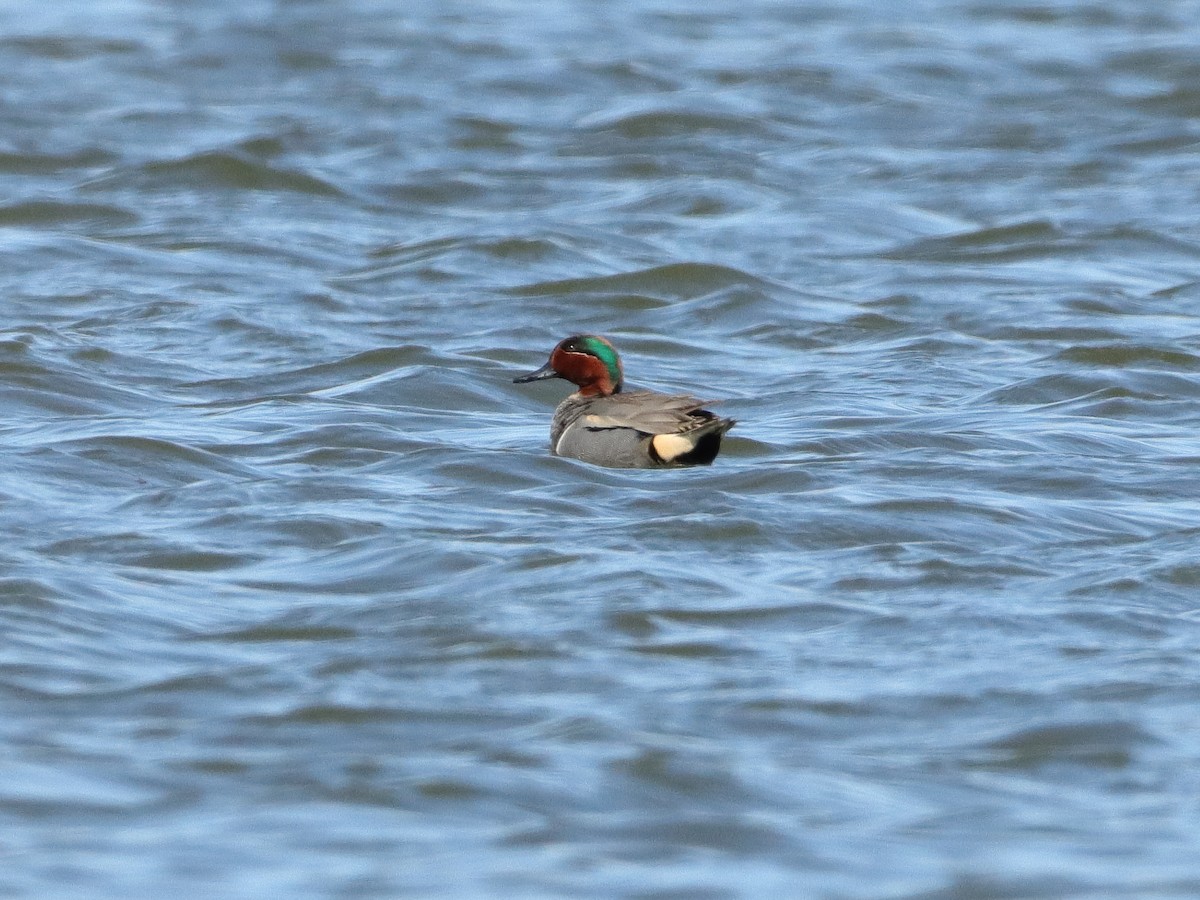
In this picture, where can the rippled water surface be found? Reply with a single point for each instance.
(295, 602)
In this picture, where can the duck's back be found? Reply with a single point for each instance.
(638, 429)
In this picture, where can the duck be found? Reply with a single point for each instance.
(605, 425)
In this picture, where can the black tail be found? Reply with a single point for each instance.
(708, 443)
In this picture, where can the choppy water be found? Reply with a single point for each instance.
(296, 604)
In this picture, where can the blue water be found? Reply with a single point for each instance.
(295, 602)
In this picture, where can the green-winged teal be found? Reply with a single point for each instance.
(604, 425)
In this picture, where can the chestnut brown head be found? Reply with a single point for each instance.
(586, 360)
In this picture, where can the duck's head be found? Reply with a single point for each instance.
(586, 360)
